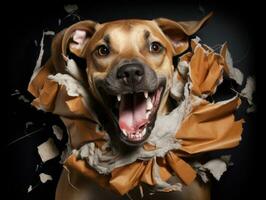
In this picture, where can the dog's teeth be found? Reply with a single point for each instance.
(118, 97)
(124, 132)
(143, 132)
(149, 104)
(147, 114)
(146, 94)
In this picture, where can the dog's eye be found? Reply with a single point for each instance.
(103, 50)
(155, 47)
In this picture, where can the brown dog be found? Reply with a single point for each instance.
(128, 72)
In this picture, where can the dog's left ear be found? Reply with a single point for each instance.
(77, 36)
(178, 32)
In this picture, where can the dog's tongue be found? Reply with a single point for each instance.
(132, 112)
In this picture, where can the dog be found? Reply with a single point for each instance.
(127, 67)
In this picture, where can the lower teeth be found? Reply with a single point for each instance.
(138, 135)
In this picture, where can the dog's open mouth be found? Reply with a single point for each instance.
(137, 112)
(134, 113)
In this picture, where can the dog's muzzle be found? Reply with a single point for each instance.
(132, 91)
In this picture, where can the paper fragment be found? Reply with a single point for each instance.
(73, 69)
(71, 8)
(251, 109)
(73, 87)
(176, 91)
(249, 89)
(28, 124)
(58, 132)
(203, 176)
(48, 150)
(216, 167)
(234, 73)
(45, 177)
(29, 188)
(23, 98)
(16, 92)
(39, 60)
(59, 22)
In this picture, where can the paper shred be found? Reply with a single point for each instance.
(48, 150)
(71, 8)
(73, 69)
(141, 191)
(58, 132)
(216, 167)
(39, 60)
(16, 92)
(45, 177)
(234, 73)
(203, 176)
(25, 136)
(59, 22)
(29, 188)
(251, 109)
(249, 90)
(23, 98)
(28, 124)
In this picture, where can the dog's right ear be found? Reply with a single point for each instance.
(72, 39)
(77, 36)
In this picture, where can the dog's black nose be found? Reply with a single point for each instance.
(131, 74)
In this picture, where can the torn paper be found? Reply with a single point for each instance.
(72, 68)
(251, 109)
(58, 132)
(216, 167)
(73, 87)
(45, 177)
(23, 98)
(16, 92)
(71, 8)
(28, 124)
(48, 150)
(39, 60)
(249, 90)
(29, 188)
(233, 73)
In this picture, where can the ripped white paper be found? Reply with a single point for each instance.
(45, 177)
(58, 132)
(216, 167)
(249, 90)
(234, 73)
(48, 150)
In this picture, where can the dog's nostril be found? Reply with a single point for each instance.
(131, 73)
(125, 75)
(139, 72)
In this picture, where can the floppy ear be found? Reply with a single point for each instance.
(72, 39)
(178, 32)
(76, 37)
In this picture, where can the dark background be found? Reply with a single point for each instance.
(239, 25)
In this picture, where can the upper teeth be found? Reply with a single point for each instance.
(119, 97)
(146, 94)
(149, 104)
(124, 132)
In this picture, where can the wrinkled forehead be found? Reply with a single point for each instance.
(129, 31)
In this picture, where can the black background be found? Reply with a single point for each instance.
(239, 25)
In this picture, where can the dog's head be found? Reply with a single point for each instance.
(129, 69)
